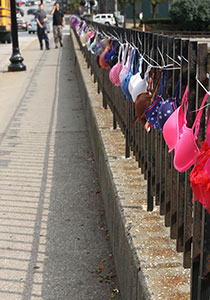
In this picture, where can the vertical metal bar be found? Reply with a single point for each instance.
(181, 176)
(192, 70)
(168, 167)
(200, 260)
(204, 278)
(150, 203)
(174, 192)
(162, 45)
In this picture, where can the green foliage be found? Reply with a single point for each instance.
(190, 14)
(202, 19)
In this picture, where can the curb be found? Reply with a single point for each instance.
(147, 264)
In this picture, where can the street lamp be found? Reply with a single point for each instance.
(16, 59)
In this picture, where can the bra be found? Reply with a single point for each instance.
(125, 82)
(167, 107)
(102, 62)
(114, 58)
(172, 127)
(145, 99)
(200, 174)
(137, 84)
(151, 112)
(186, 149)
(125, 63)
(94, 43)
(102, 47)
(91, 41)
(116, 69)
(111, 52)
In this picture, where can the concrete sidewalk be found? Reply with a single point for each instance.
(54, 243)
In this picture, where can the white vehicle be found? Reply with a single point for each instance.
(107, 19)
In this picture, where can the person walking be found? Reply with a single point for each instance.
(58, 24)
(41, 19)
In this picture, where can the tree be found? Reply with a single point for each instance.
(202, 19)
(133, 3)
(155, 4)
(123, 5)
(184, 13)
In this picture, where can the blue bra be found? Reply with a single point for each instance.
(168, 107)
(110, 52)
(125, 82)
(151, 112)
(158, 113)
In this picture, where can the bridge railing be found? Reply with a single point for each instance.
(170, 190)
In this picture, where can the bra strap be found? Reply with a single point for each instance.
(196, 123)
(125, 53)
(119, 54)
(157, 82)
(162, 84)
(132, 60)
(129, 58)
(137, 65)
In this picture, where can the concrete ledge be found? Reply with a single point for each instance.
(147, 264)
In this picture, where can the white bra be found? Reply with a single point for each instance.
(125, 68)
(137, 84)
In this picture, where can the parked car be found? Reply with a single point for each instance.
(29, 3)
(32, 26)
(32, 11)
(22, 24)
(19, 3)
(107, 19)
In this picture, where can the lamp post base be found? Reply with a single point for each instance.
(16, 62)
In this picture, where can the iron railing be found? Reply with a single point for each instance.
(189, 223)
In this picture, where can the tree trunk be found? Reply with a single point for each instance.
(154, 8)
(134, 13)
(124, 13)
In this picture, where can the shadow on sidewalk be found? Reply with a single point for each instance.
(71, 256)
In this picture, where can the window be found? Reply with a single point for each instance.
(103, 17)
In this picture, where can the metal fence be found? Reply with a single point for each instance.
(170, 190)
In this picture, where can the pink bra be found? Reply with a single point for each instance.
(186, 149)
(116, 69)
(174, 124)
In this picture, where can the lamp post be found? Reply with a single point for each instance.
(16, 59)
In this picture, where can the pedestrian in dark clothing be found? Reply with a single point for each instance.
(41, 20)
(58, 24)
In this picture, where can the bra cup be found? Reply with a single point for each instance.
(114, 74)
(123, 73)
(141, 103)
(171, 129)
(124, 85)
(137, 86)
(186, 150)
